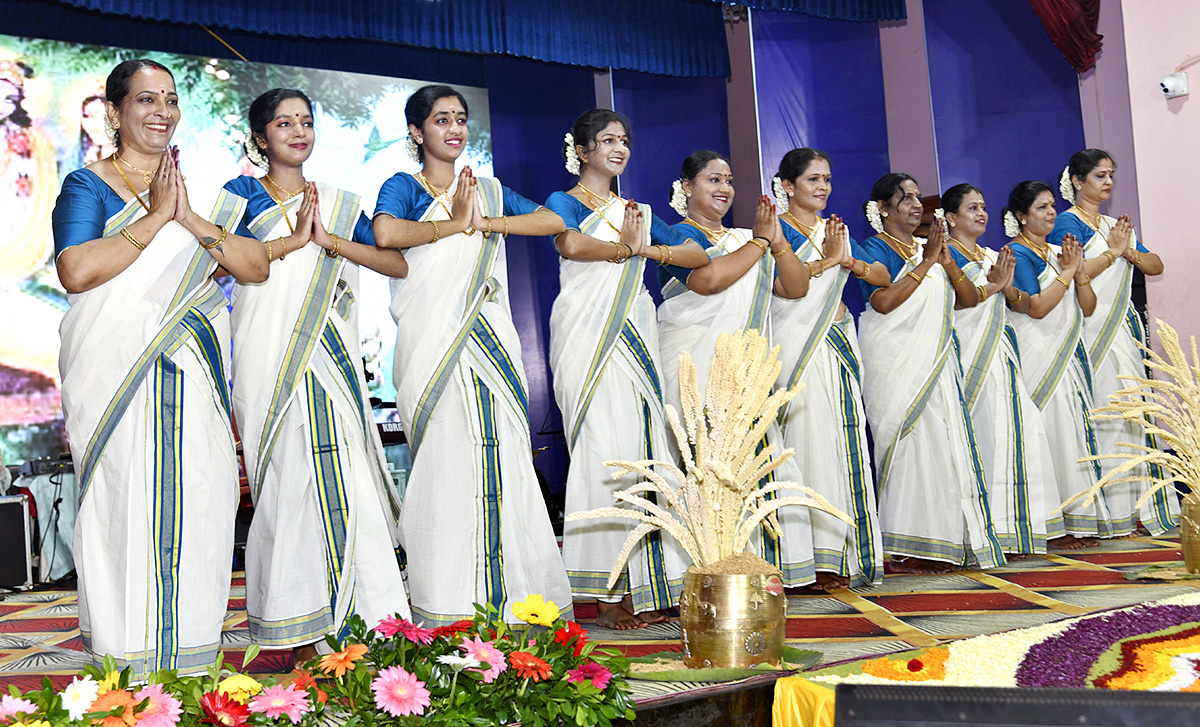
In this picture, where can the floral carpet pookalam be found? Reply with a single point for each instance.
(1153, 646)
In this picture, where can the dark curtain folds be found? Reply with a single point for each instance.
(863, 10)
(1072, 26)
(670, 37)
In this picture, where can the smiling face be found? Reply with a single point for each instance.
(971, 219)
(1040, 218)
(150, 112)
(1097, 186)
(443, 135)
(812, 188)
(904, 209)
(609, 151)
(290, 134)
(711, 191)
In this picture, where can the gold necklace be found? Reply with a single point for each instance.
(282, 211)
(285, 193)
(714, 236)
(595, 205)
(976, 256)
(147, 176)
(809, 232)
(1042, 253)
(439, 197)
(906, 250)
(1087, 221)
(129, 186)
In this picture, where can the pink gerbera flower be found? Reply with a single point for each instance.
(399, 693)
(162, 710)
(486, 652)
(389, 626)
(591, 672)
(416, 634)
(279, 701)
(11, 706)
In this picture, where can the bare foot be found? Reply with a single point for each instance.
(1070, 542)
(921, 566)
(653, 617)
(615, 616)
(830, 582)
(301, 655)
(1017, 556)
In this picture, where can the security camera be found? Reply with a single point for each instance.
(1174, 84)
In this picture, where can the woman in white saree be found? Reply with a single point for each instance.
(1008, 426)
(605, 359)
(321, 545)
(1056, 296)
(733, 292)
(933, 503)
(1112, 333)
(144, 388)
(474, 526)
(819, 348)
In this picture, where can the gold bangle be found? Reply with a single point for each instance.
(866, 270)
(469, 231)
(665, 254)
(819, 271)
(437, 232)
(129, 236)
(488, 234)
(1066, 283)
(912, 274)
(781, 252)
(268, 252)
(283, 250)
(505, 218)
(983, 294)
(1112, 256)
(337, 247)
(956, 282)
(624, 252)
(217, 242)
(1137, 257)
(1086, 282)
(761, 244)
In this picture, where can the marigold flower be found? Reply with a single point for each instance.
(339, 663)
(529, 666)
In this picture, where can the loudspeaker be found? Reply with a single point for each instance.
(877, 705)
(16, 537)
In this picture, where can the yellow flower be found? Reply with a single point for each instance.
(111, 680)
(34, 723)
(536, 610)
(239, 687)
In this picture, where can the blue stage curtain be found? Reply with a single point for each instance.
(670, 37)
(834, 9)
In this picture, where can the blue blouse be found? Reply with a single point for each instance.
(85, 203)
(403, 197)
(690, 233)
(1029, 266)
(1069, 224)
(876, 250)
(258, 200)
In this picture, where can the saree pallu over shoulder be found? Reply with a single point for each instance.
(1113, 303)
(103, 365)
(980, 332)
(1054, 344)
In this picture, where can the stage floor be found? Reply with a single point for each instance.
(39, 630)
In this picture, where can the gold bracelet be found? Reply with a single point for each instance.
(819, 270)
(761, 244)
(781, 252)
(624, 252)
(283, 251)
(866, 270)
(665, 252)
(268, 252)
(912, 274)
(1137, 257)
(956, 282)
(983, 294)
(1112, 256)
(505, 218)
(1086, 282)
(337, 247)
(469, 231)
(129, 236)
(437, 232)
(1066, 283)
(488, 234)
(217, 242)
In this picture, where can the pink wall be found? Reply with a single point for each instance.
(1158, 36)
(912, 147)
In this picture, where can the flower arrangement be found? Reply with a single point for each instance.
(1012, 228)
(481, 671)
(782, 199)
(719, 502)
(1066, 187)
(679, 199)
(874, 216)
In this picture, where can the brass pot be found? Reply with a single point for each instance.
(1189, 534)
(732, 620)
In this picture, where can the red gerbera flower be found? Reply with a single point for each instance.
(573, 631)
(529, 666)
(455, 628)
(222, 710)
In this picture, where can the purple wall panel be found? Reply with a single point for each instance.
(1005, 102)
(820, 84)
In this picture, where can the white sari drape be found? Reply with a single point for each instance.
(925, 453)
(1012, 442)
(604, 355)
(690, 322)
(321, 542)
(1111, 334)
(1058, 375)
(825, 424)
(147, 412)
(474, 526)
